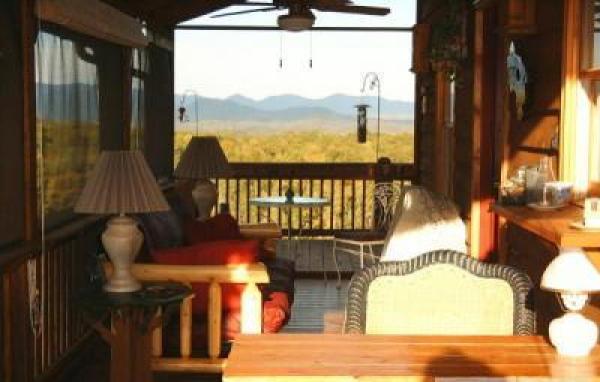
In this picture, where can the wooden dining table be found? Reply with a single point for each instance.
(346, 358)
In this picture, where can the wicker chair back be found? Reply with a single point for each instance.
(440, 293)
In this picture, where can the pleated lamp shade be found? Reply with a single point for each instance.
(203, 158)
(121, 182)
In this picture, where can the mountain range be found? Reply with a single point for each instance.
(290, 107)
(80, 102)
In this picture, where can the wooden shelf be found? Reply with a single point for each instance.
(553, 226)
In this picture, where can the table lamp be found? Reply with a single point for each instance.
(202, 159)
(121, 183)
(574, 277)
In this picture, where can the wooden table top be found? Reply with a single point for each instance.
(553, 226)
(337, 357)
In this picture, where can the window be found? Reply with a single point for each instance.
(68, 126)
(580, 130)
(273, 96)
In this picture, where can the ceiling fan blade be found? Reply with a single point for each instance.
(244, 12)
(358, 9)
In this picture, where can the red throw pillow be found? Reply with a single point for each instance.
(276, 312)
(220, 227)
(225, 252)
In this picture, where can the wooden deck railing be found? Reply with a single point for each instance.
(43, 334)
(40, 352)
(348, 186)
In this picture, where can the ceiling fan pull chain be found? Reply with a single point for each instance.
(281, 50)
(310, 61)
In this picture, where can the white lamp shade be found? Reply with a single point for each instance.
(571, 271)
(121, 182)
(203, 158)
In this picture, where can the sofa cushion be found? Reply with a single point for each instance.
(225, 252)
(219, 227)
(161, 230)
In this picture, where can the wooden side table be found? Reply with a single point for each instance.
(133, 317)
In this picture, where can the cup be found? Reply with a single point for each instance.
(557, 193)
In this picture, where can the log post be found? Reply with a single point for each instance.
(214, 320)
(251, 315)
(185, 328)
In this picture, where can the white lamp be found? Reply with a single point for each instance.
(202, 159)
(121, 183)
(574, 277)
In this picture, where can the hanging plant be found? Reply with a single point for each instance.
(447, 49)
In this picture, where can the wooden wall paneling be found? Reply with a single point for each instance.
(21, 356)
(521, 16)
(93, 18)
(531, 253)
(439, 151)
(12, 113)
(126, 94)
(421, 35)
(482, 228)
(463, 132)
(5, 340)
(111, 95)
(160, 130)
(530, 139)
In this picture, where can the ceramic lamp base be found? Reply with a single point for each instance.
(205, 198)
(122, 241)
(573, 335)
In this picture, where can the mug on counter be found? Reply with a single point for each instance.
(558, 193)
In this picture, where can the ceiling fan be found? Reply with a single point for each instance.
(300, 16)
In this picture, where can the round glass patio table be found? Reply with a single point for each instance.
(287, 204)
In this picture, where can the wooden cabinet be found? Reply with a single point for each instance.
(530, 239)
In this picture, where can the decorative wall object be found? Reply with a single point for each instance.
(517, 79)
(448, 38)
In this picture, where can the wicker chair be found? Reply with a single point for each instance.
(440, 293)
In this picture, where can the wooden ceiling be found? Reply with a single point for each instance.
(168, 13)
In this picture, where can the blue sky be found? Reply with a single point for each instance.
(222, 63)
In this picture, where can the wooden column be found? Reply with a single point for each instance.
(483, 221)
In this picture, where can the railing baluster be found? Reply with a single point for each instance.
(364, 202)
(343, 212)
(322, 210)
(353, 203)
(247, 199)
(279, 209)
(259, 194)
(227, 196)
(269, 184)
(310, 214)
(332, 188)
(237, 199)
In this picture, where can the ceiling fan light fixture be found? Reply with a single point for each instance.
(296, 22)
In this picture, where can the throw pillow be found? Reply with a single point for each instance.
(219, 227)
